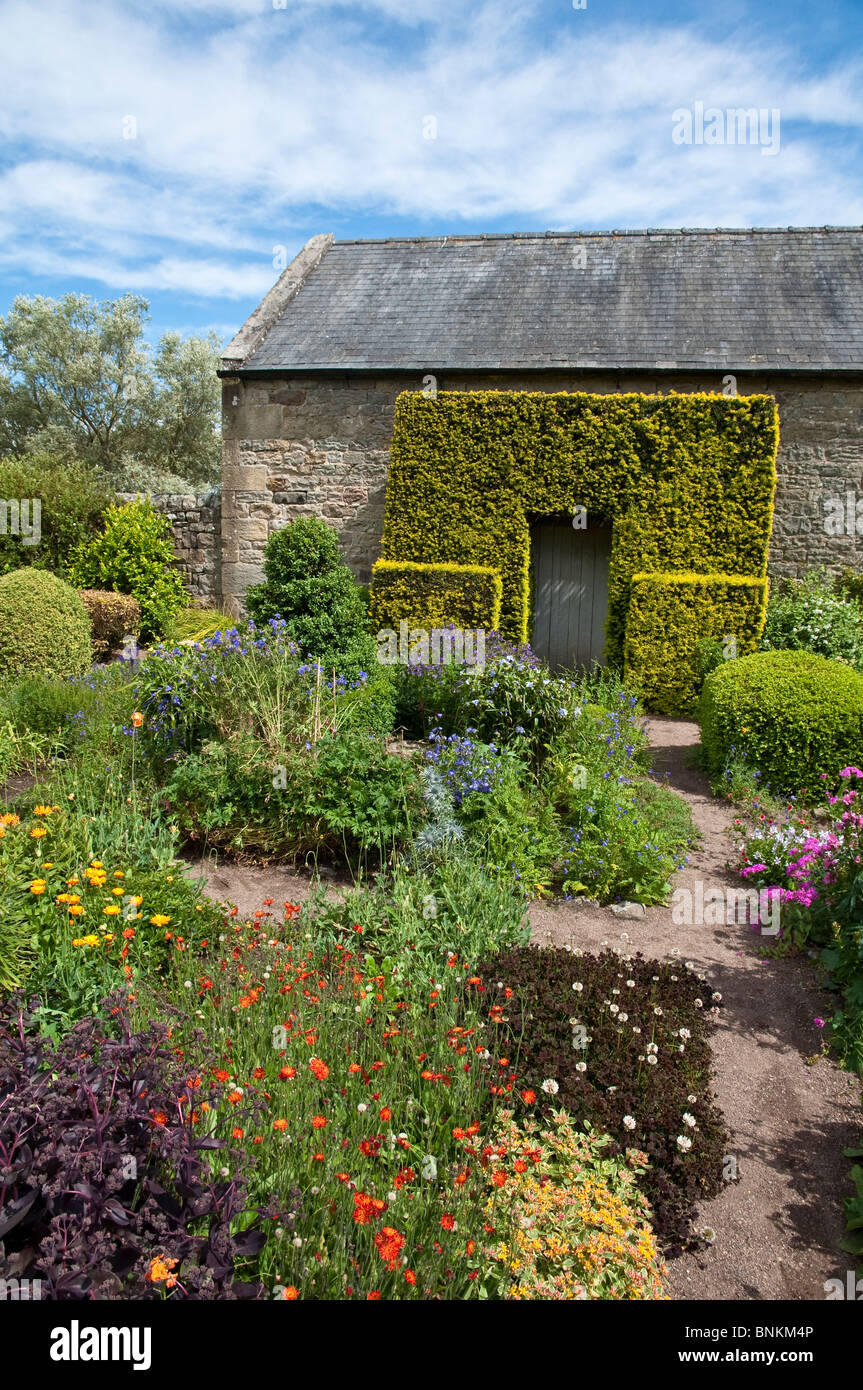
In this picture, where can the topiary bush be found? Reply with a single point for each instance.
(44, 626)
(112, 617)
(135, 555)
(795, 716)
(307, 583)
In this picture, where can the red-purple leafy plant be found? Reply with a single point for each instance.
(107, 1188)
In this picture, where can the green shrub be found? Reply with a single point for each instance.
(72, 498)
(197, 624)
(795, 716)
(811, 616)
(688, 481)
(307, 583)
(468, 596)
(849, 582)
(134, 555)
(112, 617)
(44, 626)
(669, 613)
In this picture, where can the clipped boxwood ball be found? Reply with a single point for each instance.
(44, 627)
(793, 715)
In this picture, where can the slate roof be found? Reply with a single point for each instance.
(777, 300)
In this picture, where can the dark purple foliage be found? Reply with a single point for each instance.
(103, 1168)
(544, 1023)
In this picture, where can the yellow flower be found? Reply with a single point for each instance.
(86, 941)
(42, 810)
(111, 910)
(37, 886)
(95, 864)
(118, 873)
(109, 938)
(38, 831)
(9, 818)
(63, 898)
(75, 910)
(70, 882)
(118, 892)
(160, 920)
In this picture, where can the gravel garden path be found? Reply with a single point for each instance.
(779, 1226)
(790, 1111)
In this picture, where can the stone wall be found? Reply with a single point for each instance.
(318, 445)
(196, 525)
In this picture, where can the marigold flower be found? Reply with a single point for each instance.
(111, 910)
(37, 886)
(137, 719)
(160, 920)
(160, 1268)
(319, 1068)
(38, 831)
(318, 1121)
(291, 1292)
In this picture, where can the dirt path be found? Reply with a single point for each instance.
(778, 1228)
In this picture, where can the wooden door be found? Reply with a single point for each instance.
(570, 571)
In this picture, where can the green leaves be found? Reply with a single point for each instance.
(135, 555)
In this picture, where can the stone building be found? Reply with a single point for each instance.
(311, 379)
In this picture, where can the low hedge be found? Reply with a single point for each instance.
(794, 716)
(469, 596)
(112, 617)
(669, 614)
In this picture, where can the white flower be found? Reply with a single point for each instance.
(578, 987)
(684, 1142)
(684, 1033)
(636, 1030)
(623, 1018)
(692, 1099)
(362, 1108)
(652, 1047)
(699, 1004)
(689, 1119)
(187, 984)
(581, 1066)
(391, 1196)
(631, 984)
(629, 1122)
(657, 1011)
(716, 997)
(613, 1009)
(550, 1087)
(652, 1060)
(298, 1242)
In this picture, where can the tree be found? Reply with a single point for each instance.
(78, 379)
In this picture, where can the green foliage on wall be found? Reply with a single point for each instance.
(667, 617)
(687, 480)
(469, 596)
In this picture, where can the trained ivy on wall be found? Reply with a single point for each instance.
(687, 482)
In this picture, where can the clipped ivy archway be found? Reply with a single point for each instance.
(688, 481)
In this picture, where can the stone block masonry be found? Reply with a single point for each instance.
(317, 444)
(196, 527)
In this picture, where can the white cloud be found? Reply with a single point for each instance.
(258, 126)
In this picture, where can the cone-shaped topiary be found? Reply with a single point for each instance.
(44, 626)
(307, 583)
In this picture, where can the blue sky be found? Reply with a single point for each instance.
(178, 149)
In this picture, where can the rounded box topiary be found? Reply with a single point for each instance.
(44, 626)
(795, 716)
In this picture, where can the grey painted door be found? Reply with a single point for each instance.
(570, 593)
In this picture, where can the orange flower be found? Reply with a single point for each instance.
(286, 1073)
(528, 1097)
(137, 720)
(373, 1295)
(160, 1268)
(386, 1113)
(366, 1207)
(280, 1124)
(410, 1277)
(470, 1247)
(291, 1292)
(389, 1244)
(236, 1133)
(38, 831)
(320, 1069)
(498, 1177)
(318, 1121)
(128, 933)
(447, 1221)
